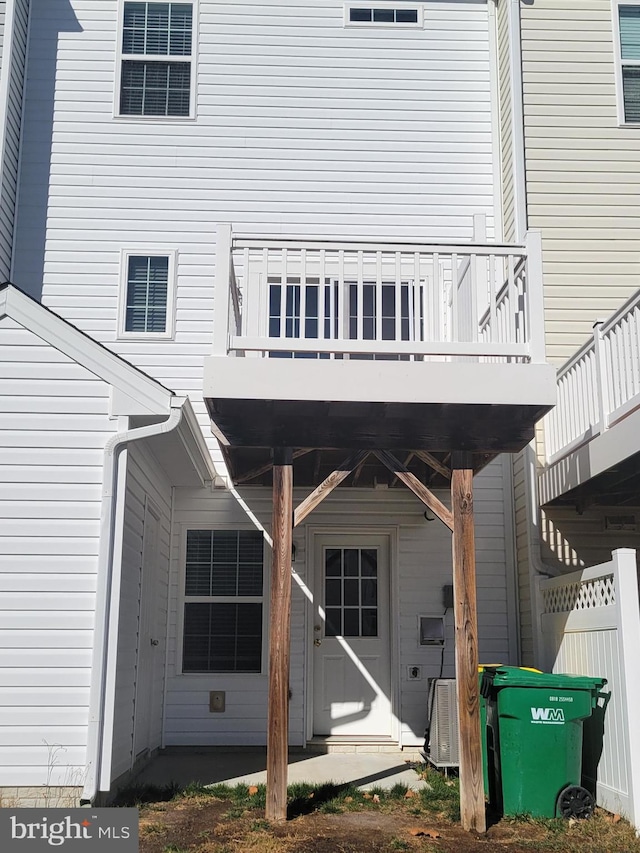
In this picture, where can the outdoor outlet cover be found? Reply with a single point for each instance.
(216, 701)
(414, 672)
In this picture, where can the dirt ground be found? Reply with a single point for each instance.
(353, 822)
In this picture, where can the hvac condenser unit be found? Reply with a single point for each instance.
(442, 743)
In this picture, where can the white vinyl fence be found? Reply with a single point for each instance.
(589, 624)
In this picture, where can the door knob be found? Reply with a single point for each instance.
(317, 642)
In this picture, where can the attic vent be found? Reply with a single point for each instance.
(371, 15)
(620, 522)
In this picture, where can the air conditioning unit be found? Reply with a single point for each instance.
(442, 737)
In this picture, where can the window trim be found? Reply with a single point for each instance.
(376, 4)
(152, 252)
(249, 599)
(618, 62)
(192, 60)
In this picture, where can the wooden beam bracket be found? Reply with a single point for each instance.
(419, 489)
(328, 485)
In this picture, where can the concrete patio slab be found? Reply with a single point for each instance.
(363, 769)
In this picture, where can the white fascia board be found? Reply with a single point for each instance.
(379, 381)
(194, 444)
(128, 381)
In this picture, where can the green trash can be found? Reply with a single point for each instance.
(534, 741)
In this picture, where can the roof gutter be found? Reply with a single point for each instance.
(109, 567)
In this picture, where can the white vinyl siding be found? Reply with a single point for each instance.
(14, 48)
(423, 559)
(288, 138)
(583, 170)
(55, 422)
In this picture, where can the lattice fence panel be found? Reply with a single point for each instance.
(585, 595)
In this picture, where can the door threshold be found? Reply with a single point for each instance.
(352, 743)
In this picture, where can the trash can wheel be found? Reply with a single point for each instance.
(575, 802)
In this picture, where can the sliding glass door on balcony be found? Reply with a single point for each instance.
(331, 311)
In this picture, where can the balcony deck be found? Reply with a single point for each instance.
(360, 345)
(592, 438)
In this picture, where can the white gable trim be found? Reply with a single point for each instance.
(132, 388)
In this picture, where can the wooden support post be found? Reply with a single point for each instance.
(472, 806)
(279, 636)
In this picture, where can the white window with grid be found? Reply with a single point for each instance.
(627, 32)
(146, 294)
(156, 67)
(223, 613)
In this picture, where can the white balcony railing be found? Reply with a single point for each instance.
(317, 299)
(599, 385)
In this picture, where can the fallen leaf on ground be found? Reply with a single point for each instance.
(409, 794)
(616, 818)
(348, 799)
(376, 798)
(450, 784)
(428, 833)
(367, 795)
(253, 790)
(311, 795)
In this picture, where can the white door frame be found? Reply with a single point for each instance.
(394, 621)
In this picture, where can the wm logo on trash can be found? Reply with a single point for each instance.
(550, 716)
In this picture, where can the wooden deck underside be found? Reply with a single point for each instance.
(252, 466)
(327, 430)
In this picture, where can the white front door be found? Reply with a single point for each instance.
(351, 666)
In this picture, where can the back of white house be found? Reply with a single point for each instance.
(146, 125)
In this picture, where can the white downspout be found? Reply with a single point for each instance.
(517, 123)
(110, 563)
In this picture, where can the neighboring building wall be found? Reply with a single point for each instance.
(423, 566)
(147, 491)
(583, 170)
(302, 126)
(13, 39)
(55, 423)
(583, 182)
